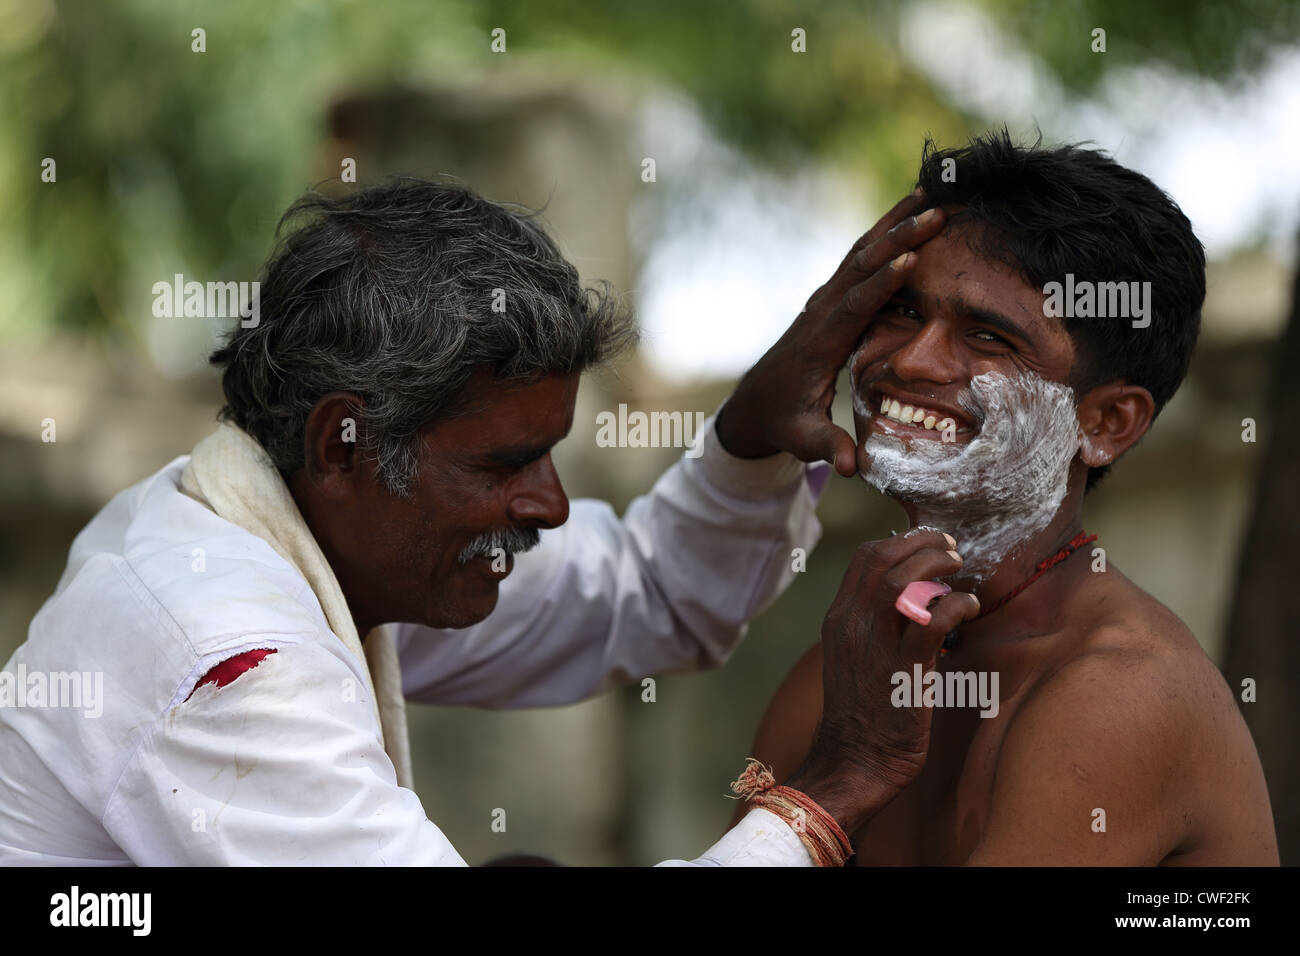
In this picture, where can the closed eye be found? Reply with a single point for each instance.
(523, 461)
(515, 461)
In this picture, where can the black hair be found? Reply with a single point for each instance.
(1047, 212)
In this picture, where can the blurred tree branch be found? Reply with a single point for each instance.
(166, 155)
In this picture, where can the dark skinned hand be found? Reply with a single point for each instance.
(866, 750)
(784, 402)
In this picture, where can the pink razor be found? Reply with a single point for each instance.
(916, 598)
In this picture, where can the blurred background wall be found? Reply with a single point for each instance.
(769, 160)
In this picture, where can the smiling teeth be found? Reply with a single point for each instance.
(916, 415)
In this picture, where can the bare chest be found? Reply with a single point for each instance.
(940, 818)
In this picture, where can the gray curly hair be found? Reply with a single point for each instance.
(389, 292)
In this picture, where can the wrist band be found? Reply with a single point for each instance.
(817, 829)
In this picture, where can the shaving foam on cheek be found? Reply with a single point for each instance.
(1000, 488)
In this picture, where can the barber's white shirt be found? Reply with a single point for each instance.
(285, 765)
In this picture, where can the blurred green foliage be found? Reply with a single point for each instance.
(1219, 39)
(175, 161)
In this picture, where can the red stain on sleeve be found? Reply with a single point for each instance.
(228, 670)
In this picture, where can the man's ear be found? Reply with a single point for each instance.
(1111, 420)
(330, 460)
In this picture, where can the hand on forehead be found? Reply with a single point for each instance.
(992, 320)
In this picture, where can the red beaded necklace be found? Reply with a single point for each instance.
(1078, 541)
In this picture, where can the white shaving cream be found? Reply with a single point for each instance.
(999, 489)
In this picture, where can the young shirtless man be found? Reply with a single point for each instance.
(1110, 739)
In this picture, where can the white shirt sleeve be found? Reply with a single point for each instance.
(761, 838)
(283, 766)
(602, 602)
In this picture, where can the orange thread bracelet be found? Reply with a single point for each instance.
(825, 841)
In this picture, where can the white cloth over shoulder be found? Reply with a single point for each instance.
(232, 475)
(287, 763)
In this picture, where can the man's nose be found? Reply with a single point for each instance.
(928, 355)
(541, 502)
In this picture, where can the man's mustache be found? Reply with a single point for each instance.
(509, 540)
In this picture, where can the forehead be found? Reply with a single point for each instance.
(951, 272)
(538, 412)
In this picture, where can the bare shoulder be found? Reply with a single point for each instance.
(1137, 654)
(1135, 699)
(1129, 686)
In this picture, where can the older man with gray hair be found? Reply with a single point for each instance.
(377, 518)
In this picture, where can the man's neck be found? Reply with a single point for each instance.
(1031, 610)
(311, 509)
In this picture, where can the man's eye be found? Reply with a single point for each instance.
(906, 311)
(991, 337)
(523, 461)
